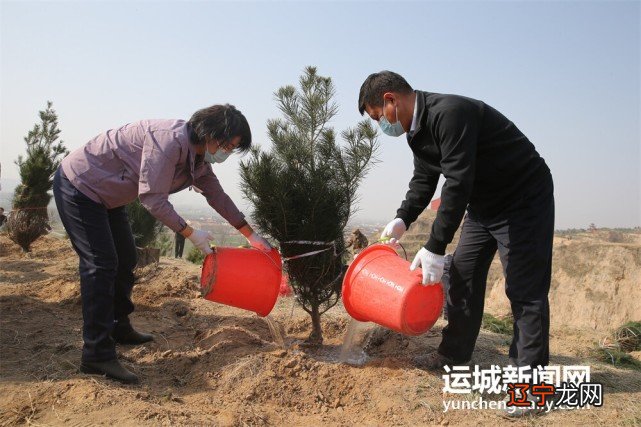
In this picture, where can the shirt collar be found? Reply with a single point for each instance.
(413, 127)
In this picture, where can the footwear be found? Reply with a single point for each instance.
(111, 369)
(435, 361)
(124, 333)
(522, 411)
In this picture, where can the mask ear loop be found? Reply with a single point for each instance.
(383, 112)
(396, 110)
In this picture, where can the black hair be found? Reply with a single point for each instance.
(221, 123)
(375, 86)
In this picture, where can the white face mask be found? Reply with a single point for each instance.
(218, 157)
(391, 129)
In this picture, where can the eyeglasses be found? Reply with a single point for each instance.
(226, 146)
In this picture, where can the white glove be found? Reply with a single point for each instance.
(393, 231)
(431, 264)
(201, 239)
(257, 241)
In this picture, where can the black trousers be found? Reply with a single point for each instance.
(103, 240)
(523, 236)
(179, 244)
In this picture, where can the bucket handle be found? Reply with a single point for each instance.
(384, 241)
(270, 259)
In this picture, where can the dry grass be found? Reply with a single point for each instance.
(614, 350)
(628, 336)
(499, 325)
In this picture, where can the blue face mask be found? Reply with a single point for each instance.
(391, 129)
(218, 157)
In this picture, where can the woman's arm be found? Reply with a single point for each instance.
(208, 183)
(160, 155)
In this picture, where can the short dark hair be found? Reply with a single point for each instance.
(375, 85)
(222, 123)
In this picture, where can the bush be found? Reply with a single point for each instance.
(24, 227)
(144, 226)
(164, 242)
(195, 255)
(616, 237)
(615, 356)
(613, 350)
(29, 219)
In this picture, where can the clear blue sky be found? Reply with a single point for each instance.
(567, 73)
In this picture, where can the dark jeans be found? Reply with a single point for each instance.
(104, 243)
(523, 236)
(179, 245)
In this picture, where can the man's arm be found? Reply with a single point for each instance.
(457, 130)
(421, 189)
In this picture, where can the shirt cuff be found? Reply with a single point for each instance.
(435, 246)
(240, 224)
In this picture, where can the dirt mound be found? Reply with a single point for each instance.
(595, 284)
(595, 276)
(215, 365)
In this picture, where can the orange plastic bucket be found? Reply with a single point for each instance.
(244, 278)
(379, 287)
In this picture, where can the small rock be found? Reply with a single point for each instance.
(280, 353)
(291, 363)
(166, 353)
(339, 409)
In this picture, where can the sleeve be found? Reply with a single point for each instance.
(206, 181)
(457, 130)
(421, 189)
(160, 155)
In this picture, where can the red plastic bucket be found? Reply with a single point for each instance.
(245, 278)
(379, 287)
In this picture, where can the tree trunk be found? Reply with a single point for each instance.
(316, 336)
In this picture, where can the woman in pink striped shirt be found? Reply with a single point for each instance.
(149, 160)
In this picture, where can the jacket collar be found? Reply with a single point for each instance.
(420, 113)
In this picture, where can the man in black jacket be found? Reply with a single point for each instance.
(494, 172)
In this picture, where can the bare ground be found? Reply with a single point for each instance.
(215, 365)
